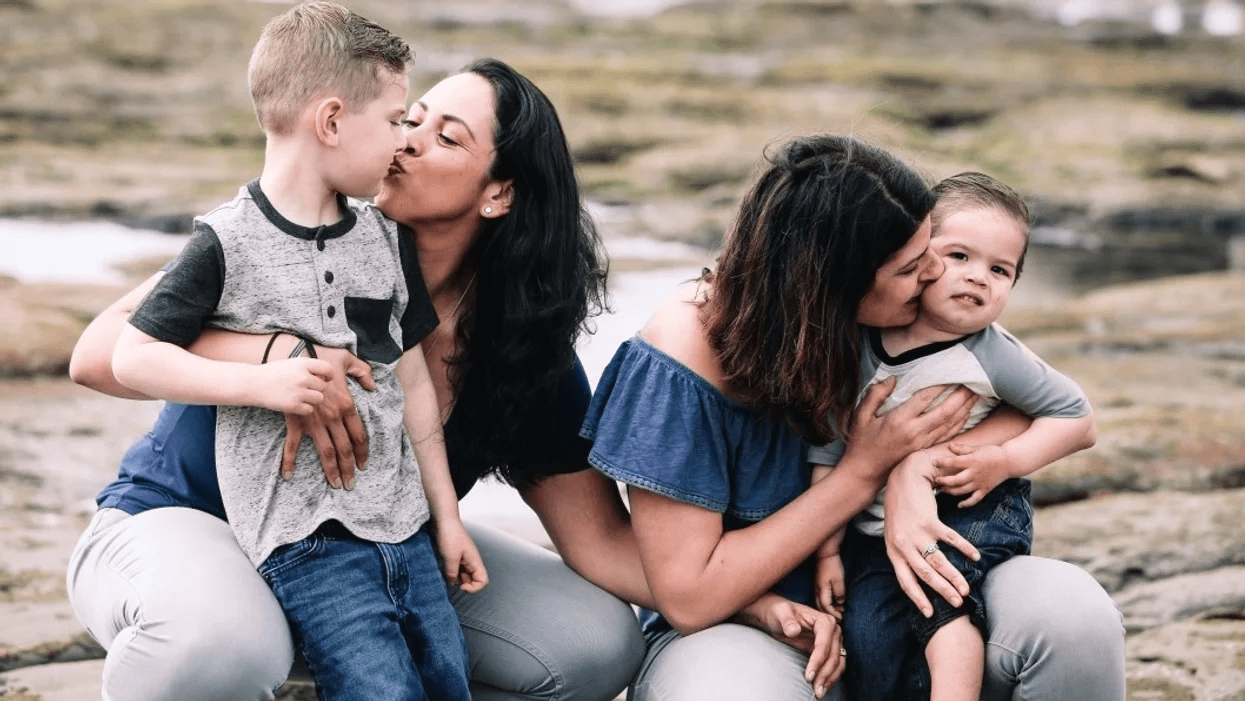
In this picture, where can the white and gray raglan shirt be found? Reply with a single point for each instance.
(355, 284)
(991, 363)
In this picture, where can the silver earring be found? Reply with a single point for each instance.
(488, 210)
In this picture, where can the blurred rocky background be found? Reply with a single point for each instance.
(1123, 121)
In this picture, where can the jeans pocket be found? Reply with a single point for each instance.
(1015, 506)
(288, 556)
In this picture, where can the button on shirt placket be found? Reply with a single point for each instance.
(330, 311)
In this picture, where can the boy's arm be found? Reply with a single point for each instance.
(422, 419)
(829, 580)
(975, 470)
(1063, 420)
(166, 371)
(1049, 439)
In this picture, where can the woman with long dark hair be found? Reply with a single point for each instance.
(486, 189)
(703, 416)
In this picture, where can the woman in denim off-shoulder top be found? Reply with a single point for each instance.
(704, 414)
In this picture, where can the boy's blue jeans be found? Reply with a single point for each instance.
(373, 620)
(883, 632)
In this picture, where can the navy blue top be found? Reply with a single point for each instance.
(175, 464)
(657, 425)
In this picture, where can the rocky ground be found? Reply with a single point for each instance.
(1129, 143)
(1152, 511)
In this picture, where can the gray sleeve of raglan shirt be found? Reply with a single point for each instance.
(182, 302)
(1023, 380)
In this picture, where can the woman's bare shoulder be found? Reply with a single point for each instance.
(677, 331)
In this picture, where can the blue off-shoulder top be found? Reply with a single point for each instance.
(658, 426)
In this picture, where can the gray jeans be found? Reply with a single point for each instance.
(184, 615)
(1054, 635)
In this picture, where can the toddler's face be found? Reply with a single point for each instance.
(980, 248)
(369, 139)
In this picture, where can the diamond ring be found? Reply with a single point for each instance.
(933, 548)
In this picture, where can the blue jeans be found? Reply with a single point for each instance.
(372, 619)
(884, 633)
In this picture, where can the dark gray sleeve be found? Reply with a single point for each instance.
(420, 317)
(1024, 380)
(181, 303)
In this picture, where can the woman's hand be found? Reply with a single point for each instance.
(334, 426)
(881, 442)
(803, 628)
(912, 528)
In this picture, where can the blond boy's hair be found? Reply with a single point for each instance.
(972, 190)
(320, 49)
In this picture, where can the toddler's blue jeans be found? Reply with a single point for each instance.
(883, 632)
(373, 620)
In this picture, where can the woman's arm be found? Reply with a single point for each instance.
(90, 364)
(701, 574)
(585, 517)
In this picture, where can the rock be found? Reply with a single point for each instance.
(81, 646)
(1192, 660)
(1124, 539)
(35, 633)
(43, 322)
(1161, 363)
(68, 681)
(1217, 592)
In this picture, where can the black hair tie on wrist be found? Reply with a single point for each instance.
(304, 345)
(268, 348)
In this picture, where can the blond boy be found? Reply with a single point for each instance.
(353, 568)
(981, 233)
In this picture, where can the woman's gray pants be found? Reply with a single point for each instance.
(184, 615)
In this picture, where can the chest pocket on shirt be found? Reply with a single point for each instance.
(369, 320)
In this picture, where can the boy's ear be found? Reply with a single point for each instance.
(327, 114)
(498, 196)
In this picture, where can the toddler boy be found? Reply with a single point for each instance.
(980, 230)
(354, 569)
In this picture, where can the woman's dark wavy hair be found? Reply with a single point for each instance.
(540, 275)
(803, 253)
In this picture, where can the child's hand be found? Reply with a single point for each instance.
(460, 560)
(972, 470)
(292, 386)
(830, 584)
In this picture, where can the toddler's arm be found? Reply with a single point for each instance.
(421, 416)
(976, 470)
(830, 585)
(166, 371)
